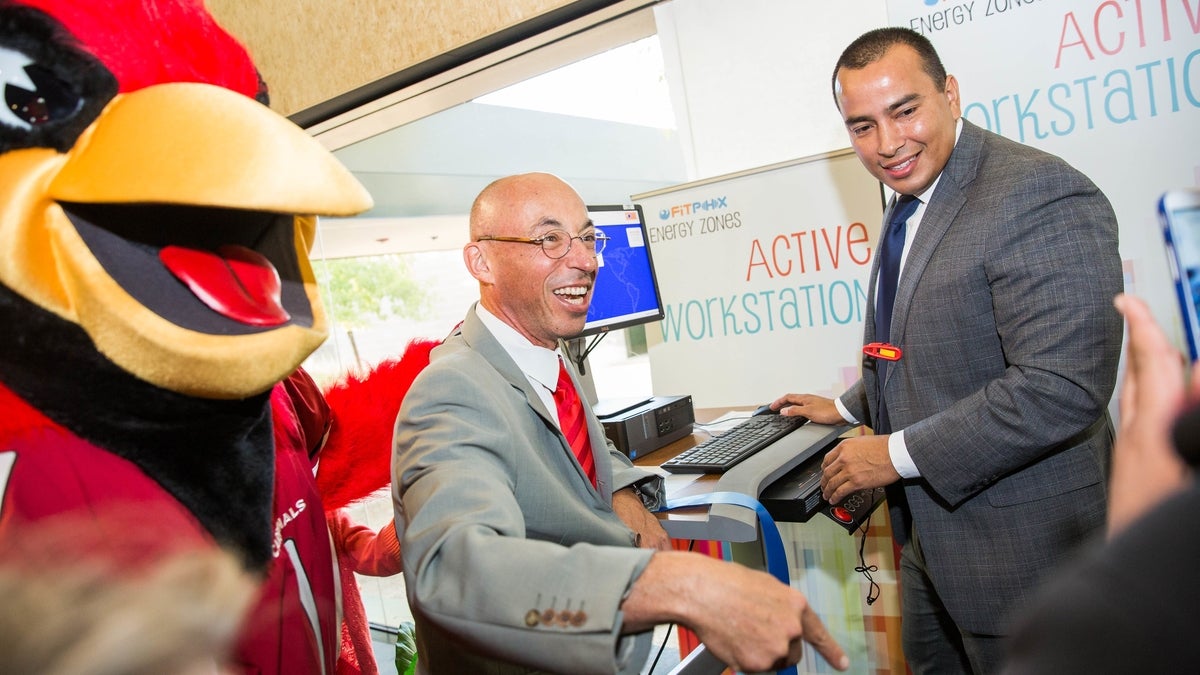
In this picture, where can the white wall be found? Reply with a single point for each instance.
(750, 80)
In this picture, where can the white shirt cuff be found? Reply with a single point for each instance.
(901, 460)
(837, 402)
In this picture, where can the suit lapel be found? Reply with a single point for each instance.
(943, 206)
(479, 338)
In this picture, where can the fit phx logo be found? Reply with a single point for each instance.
(692, 208)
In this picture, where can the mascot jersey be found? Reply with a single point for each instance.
(155, 287)
(48, 473)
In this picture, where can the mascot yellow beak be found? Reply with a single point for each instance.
(176, 233)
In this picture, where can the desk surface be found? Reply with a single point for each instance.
(727, 522)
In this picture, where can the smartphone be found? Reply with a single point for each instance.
(1179, 213)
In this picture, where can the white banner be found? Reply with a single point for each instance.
(1112, 87)
(763, 275)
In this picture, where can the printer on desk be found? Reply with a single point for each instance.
(648, 425)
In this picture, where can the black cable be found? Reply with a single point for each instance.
(663, 646)
(670, 627)
(592, 345)
(585, 350)
(863, 568)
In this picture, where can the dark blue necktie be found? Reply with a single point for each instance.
(891, 248)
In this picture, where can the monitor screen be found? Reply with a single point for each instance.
(626, 289)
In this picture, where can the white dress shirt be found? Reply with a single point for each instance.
(897, 450)
(539, 364)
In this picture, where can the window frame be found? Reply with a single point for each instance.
(613, 25)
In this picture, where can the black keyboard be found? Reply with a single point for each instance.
(719, 453)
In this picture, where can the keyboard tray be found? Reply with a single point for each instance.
(719, 453)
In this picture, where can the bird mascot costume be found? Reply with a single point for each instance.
(155, 289)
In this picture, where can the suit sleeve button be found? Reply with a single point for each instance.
(532, 618)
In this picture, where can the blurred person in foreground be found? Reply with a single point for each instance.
(1130, 605)
(76, 602)
(523, 549)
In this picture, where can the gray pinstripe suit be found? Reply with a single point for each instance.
(1004, 313)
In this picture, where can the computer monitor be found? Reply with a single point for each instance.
(626, 288)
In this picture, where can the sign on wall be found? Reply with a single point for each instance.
(764, 277)
(1112, 87)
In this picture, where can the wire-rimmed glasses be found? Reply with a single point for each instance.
(557, 243)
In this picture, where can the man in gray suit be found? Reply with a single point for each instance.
(515, 558)
(991, 430)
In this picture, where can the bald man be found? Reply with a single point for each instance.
(524, 546)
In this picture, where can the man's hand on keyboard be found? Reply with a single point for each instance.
(816, 408)
(855, 464)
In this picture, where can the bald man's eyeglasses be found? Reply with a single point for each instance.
(556, 243)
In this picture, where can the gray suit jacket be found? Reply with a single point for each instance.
(1010, 348)
(510, 555)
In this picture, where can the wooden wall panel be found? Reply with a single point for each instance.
(310, 51)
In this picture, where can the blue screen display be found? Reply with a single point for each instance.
(626, 290)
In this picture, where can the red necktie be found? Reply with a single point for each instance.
(573, 422)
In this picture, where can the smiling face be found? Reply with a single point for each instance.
(900, 121)
(541, 298)
(163, 225)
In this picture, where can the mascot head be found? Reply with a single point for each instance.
(150, 207)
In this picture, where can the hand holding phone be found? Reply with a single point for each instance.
(1179, 213)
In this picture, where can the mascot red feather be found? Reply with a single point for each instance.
(155, 288)
(364, 411)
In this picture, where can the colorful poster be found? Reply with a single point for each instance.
(763, 275)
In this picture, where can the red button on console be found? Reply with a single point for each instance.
(841, 514)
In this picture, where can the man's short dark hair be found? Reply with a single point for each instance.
(872, 45)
